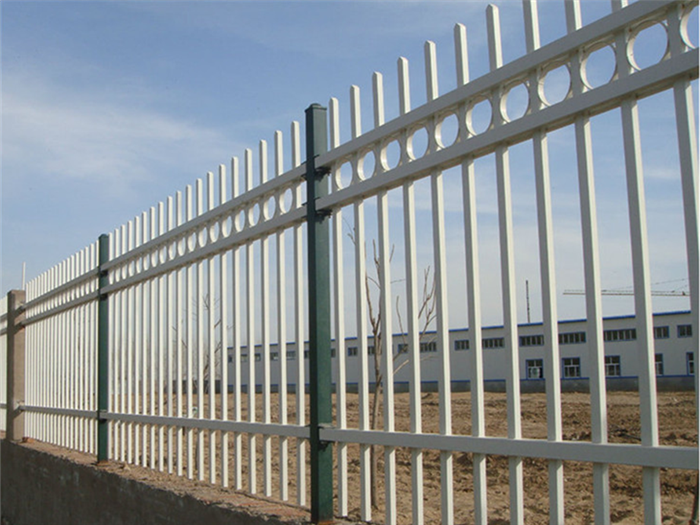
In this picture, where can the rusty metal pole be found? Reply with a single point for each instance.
(15, 365)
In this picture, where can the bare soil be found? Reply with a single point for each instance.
(677, 427)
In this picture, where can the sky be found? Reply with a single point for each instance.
(110, 107)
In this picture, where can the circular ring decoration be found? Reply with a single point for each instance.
(555, 84)
(648, 45)
(391, 155)
(253, 214)
(227, 226)
(689, 19)
(515, 101)
(343, 176)
(447, 130)
(417, 145)
(367, 165)
(598, 66)
(286, 199)
(479, 116)
(214, 231)
(240, 220)
(203, 236)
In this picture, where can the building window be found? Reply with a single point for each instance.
(230, 359)
(370, 350)
(531, 340)
(534, 368)
(291, 355)
(625, 334)
(659, 364)
(572, 366)
(332, 352)
(258, 358)
(352, 351)
(428, 347)
(462, 344)
(685, 330)
(690, 363)
(274, 356)
(244, 358)
(492, 342)
(661, 332)
(572, 338)
(612, 366)
(403, 348)
(306, 354)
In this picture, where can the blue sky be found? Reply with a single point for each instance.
(109, 107)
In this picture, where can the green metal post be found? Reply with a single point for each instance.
(319, 318)
(103, 353)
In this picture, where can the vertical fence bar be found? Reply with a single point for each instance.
(385, 312)
(125, 337)
(223, 331)
(68, 377)
(250, 333)
(641, 274)
(211, 343)
(146, 330)
(80, 360)
(15, 365)
(90, 357)
(643, 306)
(319, 318)
(265, 332)
(179, 291)
(171, 315)
(282, 335)
(547, 272)
(163, 308)
(476, 379)
(510, 328)
(200, 340)
(63, 368)
(139, 331)
(361, 316)
(154, 349)
(438, 223)
(189, 296)
(476, 384)
(686, 131)
(591, 264)
(412, 309)
(103, 352)
(130, 315)
(299, 326)
(236, 314)
(339, 311)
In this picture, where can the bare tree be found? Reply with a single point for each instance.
(426, 315)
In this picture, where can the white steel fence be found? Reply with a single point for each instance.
(221, 268)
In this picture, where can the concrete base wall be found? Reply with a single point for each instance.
(39, 487)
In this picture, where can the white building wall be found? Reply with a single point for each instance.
(673, 348)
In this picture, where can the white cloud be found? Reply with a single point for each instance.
(323, 29)
(53, 131)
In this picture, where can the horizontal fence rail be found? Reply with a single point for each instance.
(251, 330)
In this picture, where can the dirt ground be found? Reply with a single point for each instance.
(677, 427)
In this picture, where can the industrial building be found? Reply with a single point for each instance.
(673, 352)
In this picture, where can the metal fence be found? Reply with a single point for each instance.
(128, 342)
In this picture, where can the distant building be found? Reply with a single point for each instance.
(673, 352)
